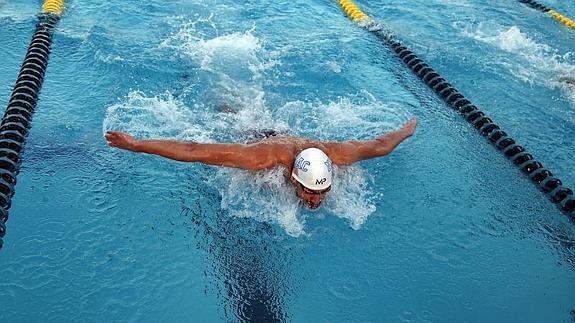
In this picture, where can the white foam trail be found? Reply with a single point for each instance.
(236, 63)
(533, 62)
(249, 105)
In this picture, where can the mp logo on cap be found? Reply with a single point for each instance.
(320, 181)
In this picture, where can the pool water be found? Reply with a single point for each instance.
(445, 229)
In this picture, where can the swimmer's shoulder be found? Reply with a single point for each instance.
(285, 148)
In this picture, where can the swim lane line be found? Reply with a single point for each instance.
(541, 176)
(554, 14)
(18, 116)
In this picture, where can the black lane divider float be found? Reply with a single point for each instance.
(557, 16)
(18, 116)
(541, 176)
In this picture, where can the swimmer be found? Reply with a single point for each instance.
(308, 163)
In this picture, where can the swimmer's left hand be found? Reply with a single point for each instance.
(120, 140)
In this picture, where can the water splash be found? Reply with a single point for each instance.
(160, 116)
(239, 55)
(533, 62)
(351, 196)
(234, 65)
(264, 196)
(356, 117)
(267, 196)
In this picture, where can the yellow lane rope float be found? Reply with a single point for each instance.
(562, 19)
(557, 16)
(53, 6)
(352, 11)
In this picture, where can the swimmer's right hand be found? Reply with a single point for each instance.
(121, 140)
(409, 127)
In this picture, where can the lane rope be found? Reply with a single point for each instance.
(22, 104)
(53, 6)
(554, 14)
(541, 176)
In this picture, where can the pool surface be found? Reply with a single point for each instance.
(445, 229)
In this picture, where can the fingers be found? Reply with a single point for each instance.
(409, 127)
(113, 134)
(119, 140)
(412, 123)
(110, 136)
(116, 134)
(113, 138)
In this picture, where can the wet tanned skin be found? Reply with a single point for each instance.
(267, 153)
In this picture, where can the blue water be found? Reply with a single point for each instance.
(443, 230)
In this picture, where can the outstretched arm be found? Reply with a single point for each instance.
(349, 152)
(250, 157)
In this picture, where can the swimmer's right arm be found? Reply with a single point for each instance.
(249, 157)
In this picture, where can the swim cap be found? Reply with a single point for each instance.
(312, 168)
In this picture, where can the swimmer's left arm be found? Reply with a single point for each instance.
(249, 157)
(349, 152)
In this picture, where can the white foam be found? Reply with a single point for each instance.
(351, 195)
(160, 116)
(268, 197)
(264, 196)
(240, 55)
(533, 62)
(359, 117)
(333, 66)
(250, 106)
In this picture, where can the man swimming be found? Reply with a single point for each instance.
(309, 161)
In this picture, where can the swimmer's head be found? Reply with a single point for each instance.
(312, 175)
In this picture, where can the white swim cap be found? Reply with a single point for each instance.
(312, 168)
